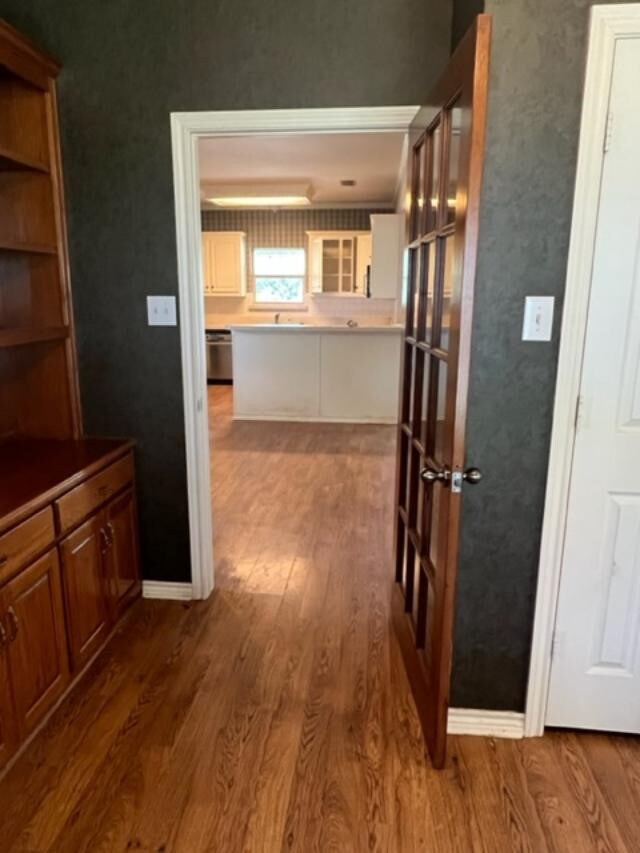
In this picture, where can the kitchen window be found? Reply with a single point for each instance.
(279, 276)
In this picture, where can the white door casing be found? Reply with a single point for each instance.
(186, 129)
(595, 670)
(608, 24)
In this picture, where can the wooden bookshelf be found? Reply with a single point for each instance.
(69, 563)
(28, 335)
(11, 161)
(9, 245)
(38, 374)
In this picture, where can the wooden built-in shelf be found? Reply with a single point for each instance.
(33, 248)
(30, 335)
(11, 161)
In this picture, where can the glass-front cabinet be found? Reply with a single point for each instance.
(358, 263)
(338, 262)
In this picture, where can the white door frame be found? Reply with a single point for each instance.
(608, 23)
(186, 129)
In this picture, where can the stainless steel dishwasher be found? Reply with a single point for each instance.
(219, 361)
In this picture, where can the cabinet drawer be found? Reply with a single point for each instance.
(23, 542)
(85, 498)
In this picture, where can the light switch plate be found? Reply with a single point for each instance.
(538, 318)
(161, 311)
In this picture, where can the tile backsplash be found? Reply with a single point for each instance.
(223, 311)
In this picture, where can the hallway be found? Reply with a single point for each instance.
(277, 715)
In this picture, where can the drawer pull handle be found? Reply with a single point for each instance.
(13, 624)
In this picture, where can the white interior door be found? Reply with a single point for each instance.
(595, 672)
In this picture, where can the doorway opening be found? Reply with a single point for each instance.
(302, 246)
(187, 131)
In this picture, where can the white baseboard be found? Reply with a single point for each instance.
(469, 721)
(167, 589)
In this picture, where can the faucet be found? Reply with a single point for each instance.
(276, 318)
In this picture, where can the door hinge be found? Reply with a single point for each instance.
(608, 132)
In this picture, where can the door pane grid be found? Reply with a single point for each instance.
(446, 168)
(419, 186)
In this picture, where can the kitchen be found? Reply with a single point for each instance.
(302, 256)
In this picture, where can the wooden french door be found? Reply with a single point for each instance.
(447, 154)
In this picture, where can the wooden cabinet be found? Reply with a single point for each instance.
(100, 565)
(8, 730)
(36, 648)
(25, 541)
(85, 590)
(69, 567)
(224, 263)
(121, 553)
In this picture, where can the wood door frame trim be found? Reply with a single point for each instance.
(607, 24)
(186, 129)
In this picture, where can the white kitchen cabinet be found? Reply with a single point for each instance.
(332, 258)
(224, 263)
(338, 260)
(363, 261)
(387, 247)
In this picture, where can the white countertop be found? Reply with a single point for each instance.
(309, 328)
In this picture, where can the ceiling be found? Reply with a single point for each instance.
(321, 160)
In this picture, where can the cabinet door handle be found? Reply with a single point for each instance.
(111, 533)
(13, 624)
(3, 636)
(104, 539)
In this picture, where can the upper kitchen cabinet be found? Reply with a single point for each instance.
(358, 263)
(333, 263)
(387, 238)
(224, 263)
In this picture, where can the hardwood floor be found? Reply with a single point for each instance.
(277, 717)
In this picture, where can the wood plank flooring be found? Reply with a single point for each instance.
(277, 717)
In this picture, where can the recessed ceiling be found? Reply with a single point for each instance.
(320, 160)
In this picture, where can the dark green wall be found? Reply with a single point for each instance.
(537, 69)
(464, 12)
(127, 64)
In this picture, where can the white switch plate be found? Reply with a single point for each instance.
(161, 311)
(538, 318)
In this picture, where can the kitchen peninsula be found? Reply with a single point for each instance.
(296, 372)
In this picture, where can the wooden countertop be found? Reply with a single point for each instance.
(34, 471)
